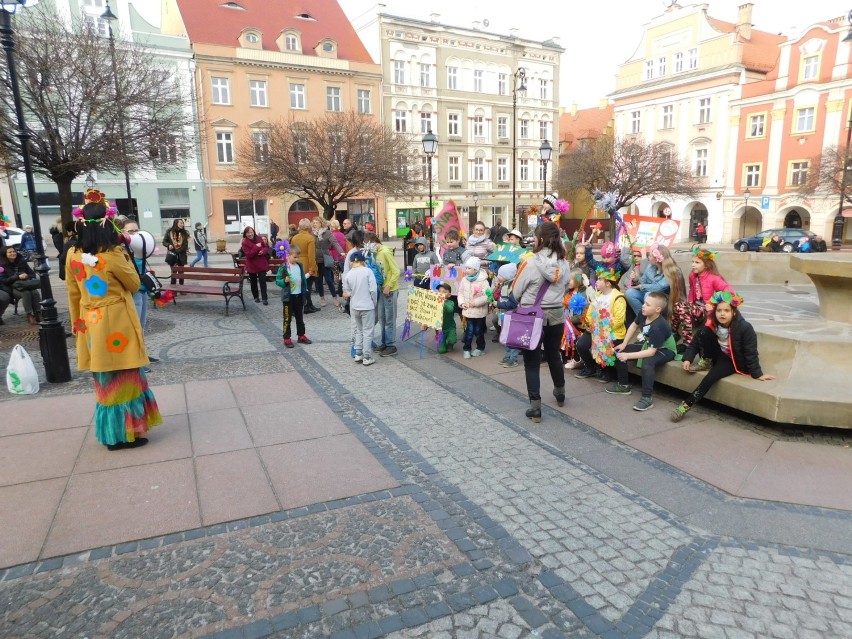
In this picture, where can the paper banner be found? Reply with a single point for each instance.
(514, 253)
(424, 308)
(649, 230)
(447, 219)
(441, 273)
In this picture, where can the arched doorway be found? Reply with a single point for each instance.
(661, 209)
(697, 215)
(797, 218)
(301, 209)
(750, 222)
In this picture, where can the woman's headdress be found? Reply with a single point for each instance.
(728, 297)
(93, 196)
(607, 273)
(654, 253)
(703, 253)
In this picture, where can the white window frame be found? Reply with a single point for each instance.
(454, 124)
(503, 127)
(452, 77)
(454, 168)
(399, 71)
(479, 126)
(365, 101)
(678, 62)
(808, 116)
(543, 130)
(799, 172)
(220, 89)
(661, 66)
(542, 89)
(635, 122)
(478, 80)
(426, 122)
(810, 67)
(751, 175)
(333, 99)
(757, 125)
(701, 162)
(260, 144)
(524, 170)
(502, 84)
(649, 69)
(257, 93)
(425, 74)
(298, 98)
(502, 169)
(704, 110)
(291, 42)
(668, 116)
(524, 129)
(478, 169)
(400, 121)
(224, 147)
(692, 59)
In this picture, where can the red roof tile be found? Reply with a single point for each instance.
(761, 52)
(585, 123)
(212, 22)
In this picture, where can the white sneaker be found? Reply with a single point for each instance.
(369, 361)
(476, 353)
(358, 359)
(466, 354)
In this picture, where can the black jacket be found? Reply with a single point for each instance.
(11, 270)
(742, 341)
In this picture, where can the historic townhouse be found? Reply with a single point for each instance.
(258, 62)
(782, 125)
(678, 88)
(460, 83)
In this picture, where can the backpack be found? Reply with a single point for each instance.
(377, 269)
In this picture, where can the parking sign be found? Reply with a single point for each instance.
(764, 202)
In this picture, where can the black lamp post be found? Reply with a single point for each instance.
(746, 196)
(51, 333)
(475, 208)
(430, 145)
(545, 152)
(837, 227)
(109, 16)
(519, 84)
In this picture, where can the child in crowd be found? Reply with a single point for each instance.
(730, 341)
(448, 321)
(294, 286)
(474, 300)
(646, 277)
(605, 327)
(453, 250)
(514, 237)
(657, 348)
(575, 312)
(360, 289)
(618, 260)
(479, 244)
(704, 282)
(506, 302)
(422, 262)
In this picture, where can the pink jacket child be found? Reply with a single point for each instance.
(707, 283)
(475, 295)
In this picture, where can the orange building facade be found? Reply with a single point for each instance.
(258, 63)
(782, 126)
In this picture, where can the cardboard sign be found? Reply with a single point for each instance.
(424, 307)
(441, 274)
(514, 253)
(649, 230)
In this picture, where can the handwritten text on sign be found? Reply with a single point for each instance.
(424, 307)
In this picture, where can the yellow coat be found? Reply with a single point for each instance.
(100, 299)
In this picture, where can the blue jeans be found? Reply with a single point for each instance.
(200, 255)
(474, 328)
(140, 300)
(512, 354)
(649, 367)
(635, 297)
(387, 317)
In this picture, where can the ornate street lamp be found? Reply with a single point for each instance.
(89, 181)
(746, 195)
(51, 333)
(475, 207)
(519, 85)
(545, 152)
(109, 16)
(430, 146)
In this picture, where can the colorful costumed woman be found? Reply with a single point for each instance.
(102, 280)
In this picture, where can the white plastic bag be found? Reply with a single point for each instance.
(21, 375)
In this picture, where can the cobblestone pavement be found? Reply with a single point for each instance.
(493, 532)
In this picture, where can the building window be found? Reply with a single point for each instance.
(452, 77)
(478, 126)
(332, 99)
(400, 121)
(525, 170)
(704, 111)
(752, 175)
(479, 169)
(291, 43)
(477, 80)
(297, 96)
(661, 66)
(221, 90)
(668, 116)
(425, 75)
(502, 169)
(165, 150)
(810, 67)
(502, 127)
(692, 59)
(798, 173)
(678, 62)
(543, 130)
(700, 166)
(453, 126)
(542, 89)
(92, 10)
(425, 122)
(502, 84)
(454, 168)
(261, 146)
(805, 120)
(756, 125)
(364, 100)
(257, 92)
(525, 129)
(398, 72)
(635, 121)
(649, 69)
(300, 146)
(224, 147)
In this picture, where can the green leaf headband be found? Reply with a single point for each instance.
(728, 297)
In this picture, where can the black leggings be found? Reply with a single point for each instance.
(552, 339)
(254, 280)
(723, 366)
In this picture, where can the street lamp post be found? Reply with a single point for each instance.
(519, 84)
(89, 181)
(109, 16)
(545, 152)
(430, 145)
(475, 208)
(837, 227)
(51, 333)
(746, 196)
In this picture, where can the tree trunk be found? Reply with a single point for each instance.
(328, 211)
(63, 184)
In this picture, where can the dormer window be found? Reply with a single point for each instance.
(305, 16)
(326, 48)
(253, 38)
(290, 40)
(232, 5)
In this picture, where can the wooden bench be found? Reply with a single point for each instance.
(227, 282)
(274, 264)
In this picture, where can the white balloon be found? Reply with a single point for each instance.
(136, 244)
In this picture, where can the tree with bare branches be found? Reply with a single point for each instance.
(71, 108)
(329, 159)
(630, 167)
(825, 174)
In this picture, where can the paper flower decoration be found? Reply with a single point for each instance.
(117, 342)
(89, 260)
(607, 200)
(281, 248)
(408, 275)
(164, 298)
(728, 297)
(703, 253)
(80, 325)
(577, 304)
(96, 286)
(78, 270)
(562, 206)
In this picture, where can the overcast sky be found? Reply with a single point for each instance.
(598, 35)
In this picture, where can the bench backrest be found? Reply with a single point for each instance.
(208, 274)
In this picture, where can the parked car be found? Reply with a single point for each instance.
(12, 235)
(791, 238)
